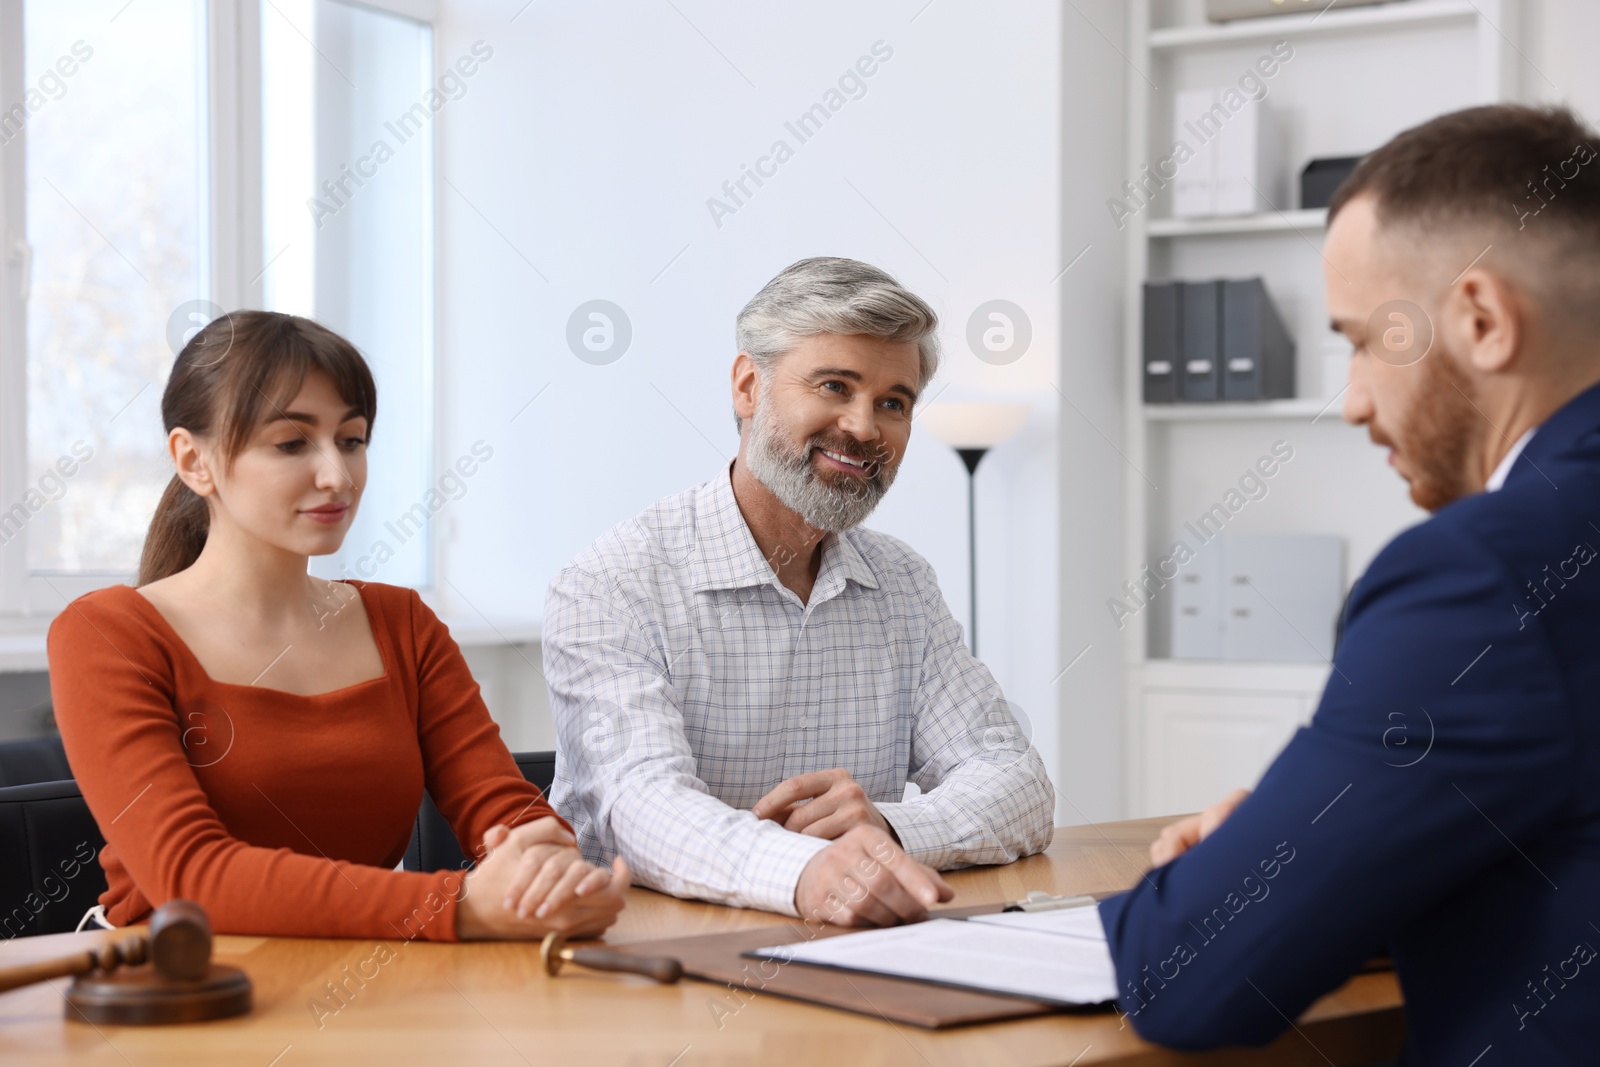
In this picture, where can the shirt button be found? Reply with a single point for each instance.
(805, 724)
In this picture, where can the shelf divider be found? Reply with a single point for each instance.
(1317, 409)
(1378, 17)
(1315, 218)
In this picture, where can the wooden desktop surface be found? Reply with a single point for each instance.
(491, 1004)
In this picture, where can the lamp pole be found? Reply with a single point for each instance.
(972, 457)
(971, 430)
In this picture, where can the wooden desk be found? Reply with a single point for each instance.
(491, 1004)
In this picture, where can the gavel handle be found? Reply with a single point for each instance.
(661, 968)
(63, 967)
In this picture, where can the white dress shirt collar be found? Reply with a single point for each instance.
(726, 555)
(1498, 478)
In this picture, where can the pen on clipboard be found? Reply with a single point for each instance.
(1038, 900)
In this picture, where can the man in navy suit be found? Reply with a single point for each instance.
(1444, 802)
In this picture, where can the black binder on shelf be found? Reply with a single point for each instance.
(1202, 341)
(1162, 341)
(1257, 351)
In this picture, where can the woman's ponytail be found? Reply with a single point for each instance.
(177, 533)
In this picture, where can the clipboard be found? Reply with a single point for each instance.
(720, 958)
(1056, 956)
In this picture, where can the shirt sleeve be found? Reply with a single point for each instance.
(985, 795)
(112, 684)
(1420, 771)
(470, 773)
(623, 748)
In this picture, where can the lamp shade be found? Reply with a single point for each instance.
(974, 425)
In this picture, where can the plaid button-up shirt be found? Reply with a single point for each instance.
(687, 682)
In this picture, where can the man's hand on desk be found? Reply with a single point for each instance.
(532, 880)
(821, 804)
(865, 879)
(1184, 834)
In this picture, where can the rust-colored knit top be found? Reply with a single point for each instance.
(281, 814)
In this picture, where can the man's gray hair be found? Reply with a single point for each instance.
(827, 294)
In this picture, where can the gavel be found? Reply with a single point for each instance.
(555, 951)
(163, 976)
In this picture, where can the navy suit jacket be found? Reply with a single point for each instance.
(1443, 803)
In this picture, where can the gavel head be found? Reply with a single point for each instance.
(182, 985)
(180, 941)
(550, 952)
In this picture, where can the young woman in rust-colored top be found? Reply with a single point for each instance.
(256, 739)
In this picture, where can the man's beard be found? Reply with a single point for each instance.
(1444, 432)
(792, 478)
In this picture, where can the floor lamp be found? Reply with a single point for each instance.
(973, 429)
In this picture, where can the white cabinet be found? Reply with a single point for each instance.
(1204, 729)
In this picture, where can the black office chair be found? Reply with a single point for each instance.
(49, 843)
(39, 759)
(49, 859)
(433, 844)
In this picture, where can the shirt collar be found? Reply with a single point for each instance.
(842, 557)
(1498, 478)
(727, 557)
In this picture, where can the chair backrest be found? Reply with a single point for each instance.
(39, 759)
(50, 872)
(433, 844)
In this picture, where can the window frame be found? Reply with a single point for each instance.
(234, 128)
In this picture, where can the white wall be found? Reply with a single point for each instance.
(1557, 44)
(1092, 150)
(578, 167)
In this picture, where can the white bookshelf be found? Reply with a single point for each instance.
(1358, 76)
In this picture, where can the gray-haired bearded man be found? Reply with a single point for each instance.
(744, 680)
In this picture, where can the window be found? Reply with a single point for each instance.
(111, 150)
(348, 173)
(129, 216)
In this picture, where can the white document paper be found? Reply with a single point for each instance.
(1059, 957)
